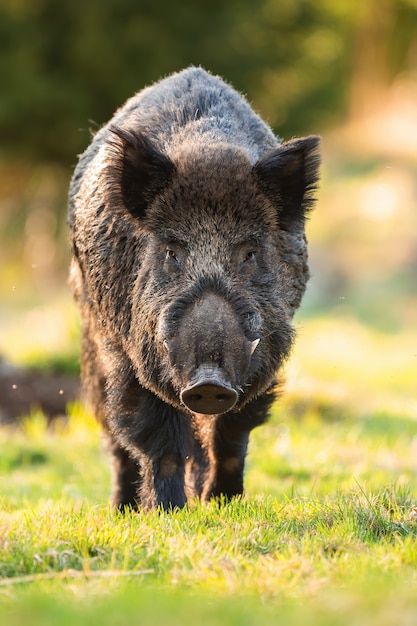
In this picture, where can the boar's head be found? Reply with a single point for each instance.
(220, 263)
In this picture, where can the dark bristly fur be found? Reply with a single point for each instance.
(189, 259)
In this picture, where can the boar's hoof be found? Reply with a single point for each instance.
(209, 394)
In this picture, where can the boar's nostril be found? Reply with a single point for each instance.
(208, 398)
(222, 397)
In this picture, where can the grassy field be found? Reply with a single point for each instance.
(326, 534)
(327, 531)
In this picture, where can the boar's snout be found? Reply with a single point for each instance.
(208, 349)
(209, 393)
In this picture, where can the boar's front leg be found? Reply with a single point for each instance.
(163, 477)
(155, 435)
(163, 439)
(226, 452)
(228, 447)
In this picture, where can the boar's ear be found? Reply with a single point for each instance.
(142, 171)
(288, 176)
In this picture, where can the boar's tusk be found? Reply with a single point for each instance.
(166, 345)
(254, 345)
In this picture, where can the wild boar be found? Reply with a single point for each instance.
(189, 258)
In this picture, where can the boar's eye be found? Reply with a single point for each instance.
(249, 256)
(171, 254)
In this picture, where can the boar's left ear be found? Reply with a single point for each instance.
(289, 175)
(140, 171)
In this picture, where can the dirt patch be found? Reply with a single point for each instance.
(23, 390)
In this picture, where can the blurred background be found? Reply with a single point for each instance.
(346, 70)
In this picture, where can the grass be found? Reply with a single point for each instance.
(326, 533)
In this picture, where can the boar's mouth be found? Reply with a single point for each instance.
(209, 393)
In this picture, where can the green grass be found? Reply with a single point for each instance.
(326, 533)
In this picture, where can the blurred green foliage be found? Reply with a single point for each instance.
(346, 69)
(64, 64)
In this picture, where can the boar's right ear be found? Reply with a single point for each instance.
(288, 176)
(139, 172)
